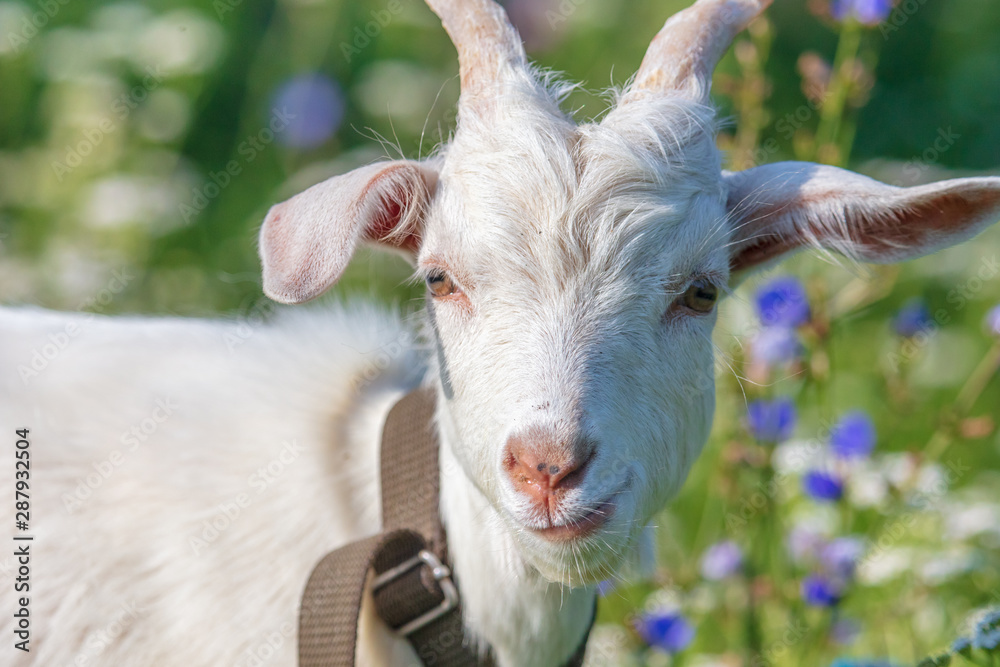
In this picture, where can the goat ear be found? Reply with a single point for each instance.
(307, 241)
(780, 207)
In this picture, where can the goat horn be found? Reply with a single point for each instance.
(485, 40)
(682, 57)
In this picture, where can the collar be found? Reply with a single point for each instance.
(413, 588)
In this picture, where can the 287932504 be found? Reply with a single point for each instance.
(22, 479)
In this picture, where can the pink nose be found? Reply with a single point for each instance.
(543, 466)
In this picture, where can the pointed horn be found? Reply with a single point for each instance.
(486, 41)
(682, 57)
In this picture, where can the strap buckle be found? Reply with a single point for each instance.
(442, 575)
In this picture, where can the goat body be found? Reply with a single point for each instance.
(183, 487)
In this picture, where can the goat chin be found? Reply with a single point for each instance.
(583, 565)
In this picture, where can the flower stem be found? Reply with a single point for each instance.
(974, 387)
(832, 113)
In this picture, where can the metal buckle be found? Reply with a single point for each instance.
(441, 574)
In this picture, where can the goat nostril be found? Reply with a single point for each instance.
(546, 467)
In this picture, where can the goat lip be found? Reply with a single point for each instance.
(578, 528)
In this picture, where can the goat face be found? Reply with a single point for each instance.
(573, 275)
(573, 272)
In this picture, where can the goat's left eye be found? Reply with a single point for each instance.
(440, 283)
(701, 296)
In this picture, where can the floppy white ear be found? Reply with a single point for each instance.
(780, 207)
(307, 241)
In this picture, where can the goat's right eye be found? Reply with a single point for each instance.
(440, 284)
(701, 296)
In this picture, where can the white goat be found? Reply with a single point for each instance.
(182, 492)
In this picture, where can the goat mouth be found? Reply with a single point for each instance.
(580, 527)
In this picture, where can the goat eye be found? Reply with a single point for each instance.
(440, 284)
(701, 296)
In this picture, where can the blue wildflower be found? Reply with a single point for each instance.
(840, 557)
(819, 591)
(771, 421)
(845, 631)
(853, 436)
(987, 635)
(315, 108)
(822, 486)
(993, 321)
(912, 318)
(668, 631)
(988, 640)
(804, 544)
(990, 619)
(721, 560)
(961, 644)
(783, 302)
(605, 587)
(776, 345)
(869, 12)
(863, 662)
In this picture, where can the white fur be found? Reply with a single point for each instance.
(235, 409)
(572, 247)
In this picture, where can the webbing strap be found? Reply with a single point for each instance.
(328, 617)
(413, 536)
(411, 482)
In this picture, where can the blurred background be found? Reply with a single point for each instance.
(847, 507)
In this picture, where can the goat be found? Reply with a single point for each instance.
(183, 491)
